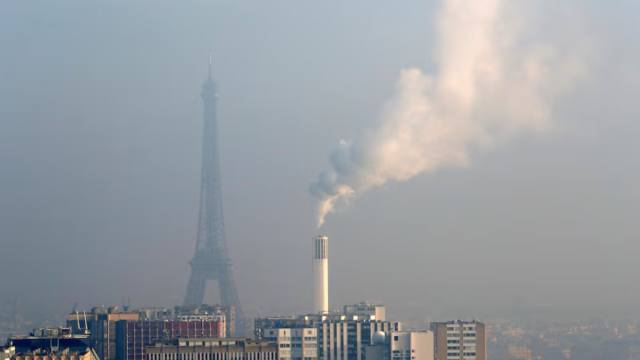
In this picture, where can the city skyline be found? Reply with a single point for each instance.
(100, 150)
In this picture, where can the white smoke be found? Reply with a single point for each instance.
(495, 80)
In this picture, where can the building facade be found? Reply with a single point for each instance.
(153, 314)
(101, 326)
(346, 339)
(221, 318)
(294, 343)
(134, 337)
(6, 352)
(50, 344)
(402, 345)
(59, 355)
(339, 337)
(212, 349)
(366, 308)
(460, 340)
(183, 313)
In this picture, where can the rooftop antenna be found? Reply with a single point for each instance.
(86, 327)
(77, 318)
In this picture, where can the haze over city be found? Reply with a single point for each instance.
(101, 153)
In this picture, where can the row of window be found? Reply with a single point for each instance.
(214, 356)
(458, 354)
(456, 327)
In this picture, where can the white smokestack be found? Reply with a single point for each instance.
(320, 277)
(495, 79)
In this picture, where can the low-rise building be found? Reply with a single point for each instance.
(49, 344)
(212, 349)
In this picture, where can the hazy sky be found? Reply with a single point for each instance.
(100, 140)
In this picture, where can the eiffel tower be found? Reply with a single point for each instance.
(211, 260)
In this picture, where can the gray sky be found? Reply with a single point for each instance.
(100, 139)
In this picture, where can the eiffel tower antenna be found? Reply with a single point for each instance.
(210, 51)
(211, 260)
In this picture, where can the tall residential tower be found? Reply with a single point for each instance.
(460, 340)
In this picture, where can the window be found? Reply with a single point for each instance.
(395, 338)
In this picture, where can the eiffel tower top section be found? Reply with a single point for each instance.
(211, 260)
(210, 88)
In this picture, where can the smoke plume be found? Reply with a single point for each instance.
(495, 79)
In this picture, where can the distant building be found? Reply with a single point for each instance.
(340, 337)
(345, 339)
(212, 349)
(153, 314)
(401, 345)
(229, 312)
(366, 308)
(294, 343)
(49, 344)
(460, 340)
(101, 325)
(134, 337)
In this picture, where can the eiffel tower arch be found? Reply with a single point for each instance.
(211, 260)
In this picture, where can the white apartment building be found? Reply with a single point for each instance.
(294, 343)
(402, 345)
(345, 339)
